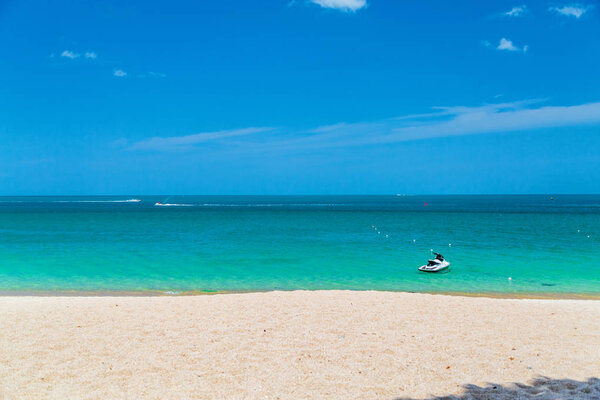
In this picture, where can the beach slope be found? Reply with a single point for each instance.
(322, 344)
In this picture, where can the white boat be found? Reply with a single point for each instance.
(436, 265)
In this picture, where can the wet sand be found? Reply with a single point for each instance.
(322, 344)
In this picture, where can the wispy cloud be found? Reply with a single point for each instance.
(442, 122)
(344, 5)
(508, 45)
(517, 11)
(573, 10)
(447, 122)
(73, 55)
(188, 141)
(156, 75)
(119, 73)
(70, 54)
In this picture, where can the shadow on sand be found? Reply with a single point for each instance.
(541, 388)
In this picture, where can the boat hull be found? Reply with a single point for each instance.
(435, 268)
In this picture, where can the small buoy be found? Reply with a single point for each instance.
(425, 204)
(509, 278)
(414, 240)
(449, 244)
(386, 236)
(588, 236)
(578, 231)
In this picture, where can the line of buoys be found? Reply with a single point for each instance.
(579, 231)
(378, 231)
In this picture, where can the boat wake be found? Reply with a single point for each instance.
(98, 201)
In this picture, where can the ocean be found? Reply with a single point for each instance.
(516, 245)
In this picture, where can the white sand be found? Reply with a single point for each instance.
(291, 345)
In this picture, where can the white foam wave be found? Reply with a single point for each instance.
(273, 205)
(97, 201)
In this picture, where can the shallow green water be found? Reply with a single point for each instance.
(301, 242)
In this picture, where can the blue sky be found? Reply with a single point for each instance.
(299, 97)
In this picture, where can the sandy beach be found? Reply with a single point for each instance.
(291, 345)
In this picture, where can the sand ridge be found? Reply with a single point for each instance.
(303, 344)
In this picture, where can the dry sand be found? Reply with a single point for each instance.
(292, 345)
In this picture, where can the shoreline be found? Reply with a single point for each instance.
(188, 293)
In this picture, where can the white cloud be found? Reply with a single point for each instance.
(186, 142)
(444, 122)
(499, 118)
(518, 11)
(344, 5)
(573, 10)
(70, 54)
(119, 73)
(156, 74)
(508, 45)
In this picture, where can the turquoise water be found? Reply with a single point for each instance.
(301, 242)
